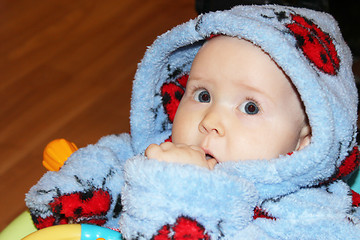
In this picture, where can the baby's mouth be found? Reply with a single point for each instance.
(209, 156)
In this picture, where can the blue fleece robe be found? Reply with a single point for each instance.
(302, 196)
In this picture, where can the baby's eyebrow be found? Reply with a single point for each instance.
(198, 78)
(255, 89)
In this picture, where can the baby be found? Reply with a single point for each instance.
(238, 105)
(257, 109)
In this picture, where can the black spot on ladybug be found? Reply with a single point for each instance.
(57, 208)
(166, 98)
(308, 21)
(178, 95)
(300, 40)
(327, 39)
(86, 195)
(316, 45)
(323, 58)
(310, 37)
(78, 211)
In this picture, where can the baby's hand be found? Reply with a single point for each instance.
(179, 153)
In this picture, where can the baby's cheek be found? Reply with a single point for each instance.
(288, 144)
(181, 132)
(263, 148)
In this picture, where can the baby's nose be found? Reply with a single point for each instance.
(212, 123)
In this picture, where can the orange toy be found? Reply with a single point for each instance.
(56, 153)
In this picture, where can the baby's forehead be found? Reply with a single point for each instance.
(243, 60)
(229, 40)
(235, 46)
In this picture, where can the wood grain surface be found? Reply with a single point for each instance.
(66, 69)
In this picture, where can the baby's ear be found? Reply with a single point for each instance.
(304, 138)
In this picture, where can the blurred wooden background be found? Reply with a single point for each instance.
(66, 69)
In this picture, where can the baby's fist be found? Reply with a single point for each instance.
(179, 153)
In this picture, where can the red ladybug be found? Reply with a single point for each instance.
(171, 95)
(184, 229)
(316, 45)
(82, 207)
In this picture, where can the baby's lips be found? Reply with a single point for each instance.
(203, 151)
(209, 155)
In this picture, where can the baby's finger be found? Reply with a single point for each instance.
(152, 150)
(212, 163)
(166, 146)
(196, 148)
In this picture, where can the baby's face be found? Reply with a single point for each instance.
(239, 105)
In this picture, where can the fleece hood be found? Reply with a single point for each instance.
(309, 48)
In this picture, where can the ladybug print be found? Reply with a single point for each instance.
(355, 198)
(41, 223)
(316, 45)
(184, 228)
(348, 165)
(90, 207)
(171, 95)
(260, 213)
(163, 233)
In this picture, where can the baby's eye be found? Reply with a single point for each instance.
(202, 96)
(249, 107)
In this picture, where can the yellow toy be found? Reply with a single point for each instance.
(18, 228)
(74, 232)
